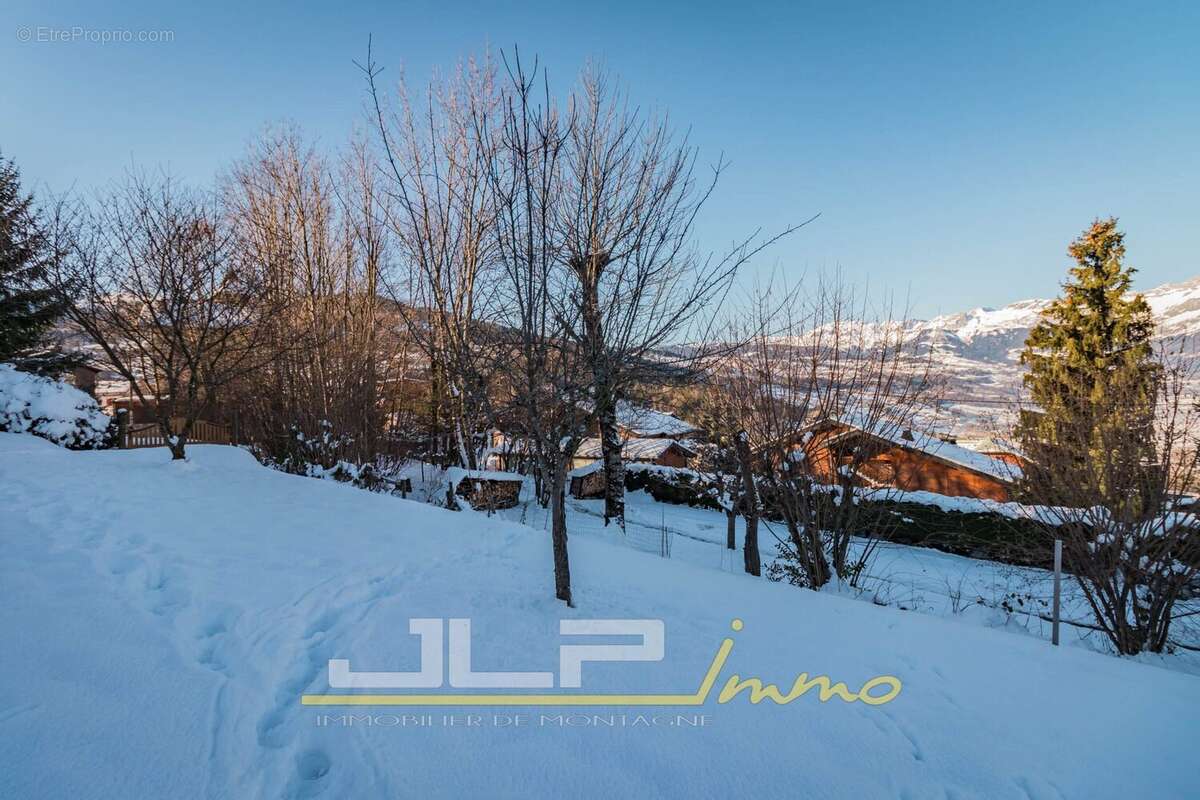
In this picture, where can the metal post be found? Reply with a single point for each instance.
(1057, 588)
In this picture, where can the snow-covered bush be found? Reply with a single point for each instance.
(323, 455)
(674, 485)
(51, 409)
(301, 453)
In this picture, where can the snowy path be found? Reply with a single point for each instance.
(161, 621)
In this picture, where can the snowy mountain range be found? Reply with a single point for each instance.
(977, 352)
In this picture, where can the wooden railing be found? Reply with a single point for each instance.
(149, 434)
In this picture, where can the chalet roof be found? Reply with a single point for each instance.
(645, 422)
(586, 469)
(633, 449)
(456, 475)
(991, 444)
(928, 444)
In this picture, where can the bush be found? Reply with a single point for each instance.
(990, 536)
(682, 487)
(985, 534)
(322, 456)
(52, 410)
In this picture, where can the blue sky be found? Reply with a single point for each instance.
(952, 149)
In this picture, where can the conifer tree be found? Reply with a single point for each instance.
(1092, 373)
(28, 306)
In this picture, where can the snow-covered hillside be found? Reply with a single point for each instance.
(162, 620)
(978, 350)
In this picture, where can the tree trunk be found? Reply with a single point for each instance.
(589, 270)
(176, 443)
(614, 466)
(435, 412)
(843, 532)
(807, 541)
(466, 455)
(731, 514)
(751, 508)
(750, 547)
(562, 566)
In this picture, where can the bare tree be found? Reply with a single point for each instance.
(820, 390)
(438, 153)
(548, 380)
(310, 228)
(628, 207)
(717, 460)
(752, 508)
(154, 279)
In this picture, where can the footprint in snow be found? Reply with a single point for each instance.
(312, 769)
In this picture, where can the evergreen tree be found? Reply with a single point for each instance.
(28, 306)
(1092, 373)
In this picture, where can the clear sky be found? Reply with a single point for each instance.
(952, 149)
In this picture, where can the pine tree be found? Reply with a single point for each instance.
(1092, 373)
(28, 307)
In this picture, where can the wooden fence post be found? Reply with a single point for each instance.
(122, 428)
(1057, 589)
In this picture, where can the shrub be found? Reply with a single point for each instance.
(671, 485)
(52, 410)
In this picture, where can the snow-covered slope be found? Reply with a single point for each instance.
(161, 621)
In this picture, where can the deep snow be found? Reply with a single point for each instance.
(921, 579)
(161, 621)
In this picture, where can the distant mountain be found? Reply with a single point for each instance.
(978, 352)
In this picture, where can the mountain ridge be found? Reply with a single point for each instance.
(978, 351)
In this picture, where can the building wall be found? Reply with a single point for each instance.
(83, 378)
(668, 458)
(139, 412)
(590, 485)
(912, 471)
(671, 457)
(905, 469)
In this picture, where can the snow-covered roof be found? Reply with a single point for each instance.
(632, 449)
(586, 469)
(991, 444)
(930, 445)
(646, 422)
(455, 475)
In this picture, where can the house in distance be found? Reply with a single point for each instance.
(905, 459)
(647, 437)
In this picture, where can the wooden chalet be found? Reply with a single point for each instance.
(904, 459)
(587, 473)
(663, 452)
